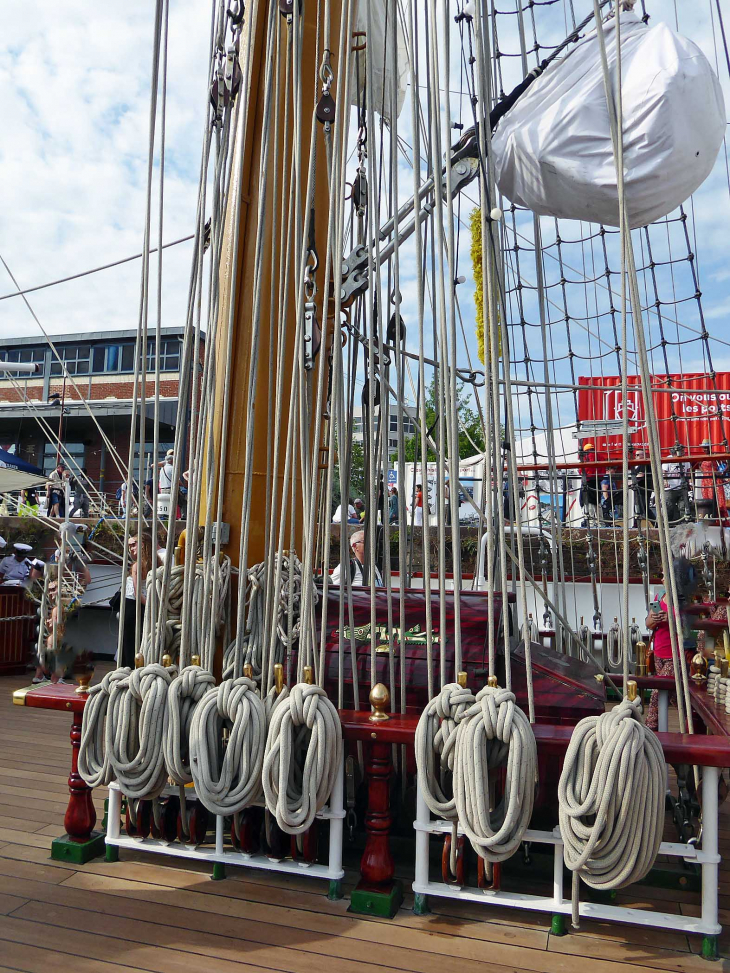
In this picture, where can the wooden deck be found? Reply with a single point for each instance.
(137, 914)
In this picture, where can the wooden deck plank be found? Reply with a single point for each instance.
(167, 916)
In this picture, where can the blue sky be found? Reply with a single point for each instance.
(74, 85)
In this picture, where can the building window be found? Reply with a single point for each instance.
(357, 425)
(112, 358)
(76, 359)
(22, 355)
(76, 451)
(169, 355)
(408, 425)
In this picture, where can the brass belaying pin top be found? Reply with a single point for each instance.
(278, 677)
(309, 675)
(195, 660)
(461, 678)
(167, 660)
(379, 700)
(138, 660)
(632, 690)
(248, 671)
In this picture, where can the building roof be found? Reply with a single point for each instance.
(93, 337)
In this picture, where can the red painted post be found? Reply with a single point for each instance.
(376, 866)
(80, 815)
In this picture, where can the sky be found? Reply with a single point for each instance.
(75, 91)
(74, 87)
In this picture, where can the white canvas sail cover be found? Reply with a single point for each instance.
(379, 37)
(553, 151)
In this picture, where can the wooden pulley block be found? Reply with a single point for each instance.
(489, 875)
(247, 825)
(144, 817)
(163, 825)
(198, 817)
(446, 875)
(304, 847)
(275, 841)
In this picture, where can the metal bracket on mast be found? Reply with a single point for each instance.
(355, 278)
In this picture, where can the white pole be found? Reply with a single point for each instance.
(335, 823)
(710, 855)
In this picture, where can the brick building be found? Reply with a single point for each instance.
(33, 407)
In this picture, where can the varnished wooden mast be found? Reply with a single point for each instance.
(237, 419)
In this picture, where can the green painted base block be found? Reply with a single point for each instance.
(65, 849)
(334, 892)
(557, 924)
(376, 902)
(112, 853)
(420, 904)
(709, 947)
(219, 871)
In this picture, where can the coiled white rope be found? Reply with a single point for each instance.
(228, 780)
(182, 698)
(611, 799)
(170, 596)
(135, 722)
(436, 739)
(492, 733)
(286, 603)
(303, 754)
(93, 764)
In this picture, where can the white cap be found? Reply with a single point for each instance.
(22, 547)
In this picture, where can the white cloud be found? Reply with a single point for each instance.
(74, 85)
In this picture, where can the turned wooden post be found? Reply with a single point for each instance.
(80, 815)
(377, 866)
(377, 893)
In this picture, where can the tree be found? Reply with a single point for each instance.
(471, 438)
(357, 475)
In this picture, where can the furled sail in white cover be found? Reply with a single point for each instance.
(553, 151)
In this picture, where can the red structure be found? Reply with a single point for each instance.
(690, 408)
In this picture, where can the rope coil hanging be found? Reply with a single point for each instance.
(184, 694)
(493, 734)
(135, 723)
(227, 781)
(436, 740)
(611, 799)
(303, 754)
(94, 765)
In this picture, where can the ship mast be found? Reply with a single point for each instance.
(244, 254)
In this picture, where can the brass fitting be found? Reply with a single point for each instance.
(379, 700)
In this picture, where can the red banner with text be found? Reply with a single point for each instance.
(690, 410)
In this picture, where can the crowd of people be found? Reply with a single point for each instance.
(692, 491)
(356, 511)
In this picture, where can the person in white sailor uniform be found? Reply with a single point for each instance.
(16, 566)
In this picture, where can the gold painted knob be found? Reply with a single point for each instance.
(195, 660)
(138, 661)
(461, 679)
(632, 690)
(167, 661)
(84, 680)
(248, 671)
(278, 677)
(309, 675)
(379, 700)
(492, 681)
